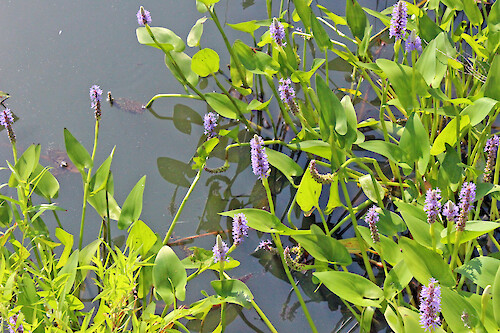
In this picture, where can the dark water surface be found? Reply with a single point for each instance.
(53, 51)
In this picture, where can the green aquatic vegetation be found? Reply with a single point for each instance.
(423, 250)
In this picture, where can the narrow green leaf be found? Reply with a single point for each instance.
(67, 240)
(415, 143)
(76, 152)
(284, 164)
(193, 38)
(356, 18)
(449, 135)
(132, 207)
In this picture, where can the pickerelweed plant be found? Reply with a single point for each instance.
(422, 251)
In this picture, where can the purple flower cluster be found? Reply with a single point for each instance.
(12, 325)
(277, 32)
(287, 94)
(260, 164)
(220, 250)
(209, 123)
(413, 43)
(264, 245)
(490, 149)
(371, 219)
(240, 228)
(467, 197)
(399, 21)
(95, 100)
(143, 16)
(450, 211)
(432, 204)
(6, 120)
(430, 306)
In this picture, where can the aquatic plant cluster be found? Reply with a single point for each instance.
(416, 251)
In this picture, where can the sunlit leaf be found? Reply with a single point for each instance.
(132, 207)
(205, 62)
(169, 276)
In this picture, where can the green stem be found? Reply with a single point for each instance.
(86, 186)
(181, 207)
(455, 249)
(155, 97)
(361, 242)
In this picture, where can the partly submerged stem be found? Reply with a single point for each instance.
(181, 207)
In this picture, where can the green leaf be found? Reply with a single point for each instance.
(304, 11)
(47, 185)
(165, 37)
(101, 204)
(453, 305)
(86, 255)
(248, 27)
(407, 83)
(169, 276)
(262, 220)
(301, 76)
(496, 297)
(352, 287)
(323, 247)
(25, 165)
(319, 33)
(193, 38)
(223, 105)
(255, 61)
(76, 152)
(480, 109)
(315, 147)
(411, 321)
(398, 278)
(424, 263)
(308, 193)
(415, 143)
(473, 229)
(184, 63)
(141, 238)
(208, 2)
(67, 240)
(132, 207)
(449, 135)
(384, 148)
(332, 16)
(416, 220)
(233, 291)
(331, 111)
(480, 270)
(283, 163)
(472, 11)
(205, 62)
(334, 198)
(356, 18)
(390, 250)
(371, 190)
(433, 62)
(100, 178)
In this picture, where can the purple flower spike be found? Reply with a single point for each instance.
(95, 100)
(287, 94)
(467, 197)
(240, 228)
(399, 20)
(450, 211)
(432, 204)
(264, 245)
(430, 306)
(260, 165)
(209, 123)
(277, 32)
(413, 43)
(143, 16)
(220, 250)
(490, 149)
(12, 325)
(6, 120)
(371, 218)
